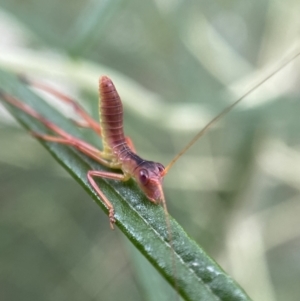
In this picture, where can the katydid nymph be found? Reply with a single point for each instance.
(118, 151)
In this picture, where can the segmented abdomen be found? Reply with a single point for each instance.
(111, 115)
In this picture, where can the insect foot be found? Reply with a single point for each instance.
(112, 219)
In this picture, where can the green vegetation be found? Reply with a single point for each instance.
(235, 192)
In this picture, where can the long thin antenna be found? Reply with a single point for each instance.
(228, 109)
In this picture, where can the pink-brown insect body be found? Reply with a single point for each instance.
(147, 174)
(111, 116)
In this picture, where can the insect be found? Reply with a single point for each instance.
(118, 151)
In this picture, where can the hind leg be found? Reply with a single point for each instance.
(63, 137)
(87, 120)
(82, 146)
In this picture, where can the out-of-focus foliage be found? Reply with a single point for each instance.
(177, 63)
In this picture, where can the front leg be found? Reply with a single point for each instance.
(108, 175)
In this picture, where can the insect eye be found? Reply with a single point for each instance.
(143, 176)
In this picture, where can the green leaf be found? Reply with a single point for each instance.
(198, 276)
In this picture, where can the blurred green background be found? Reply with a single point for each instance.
(176, 64)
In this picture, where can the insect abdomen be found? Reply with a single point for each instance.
(111, 115)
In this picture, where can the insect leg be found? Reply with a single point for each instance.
(78, 144)
(92, 173)
(64, 138)
(27, 109)
(89, 122)
(82, 146)
(109, 175)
